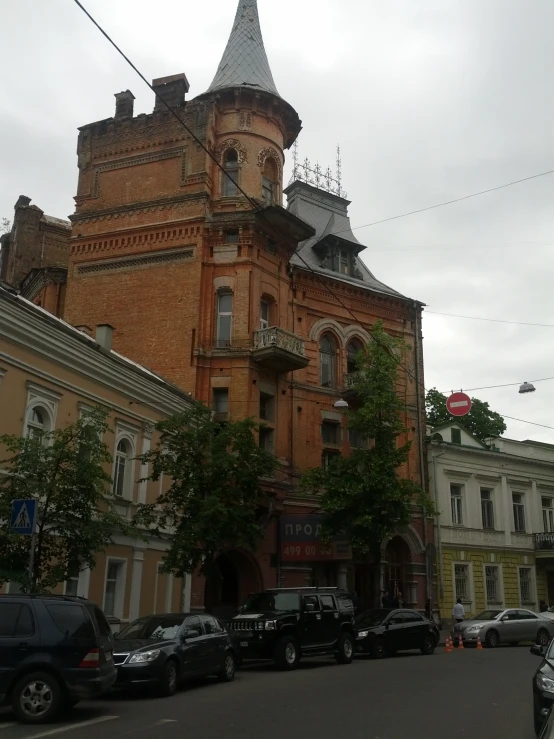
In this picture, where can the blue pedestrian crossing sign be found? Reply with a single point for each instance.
(23, 516)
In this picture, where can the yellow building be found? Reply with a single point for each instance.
(495, 546)
(49, 373)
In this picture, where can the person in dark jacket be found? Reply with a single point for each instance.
(386, 600)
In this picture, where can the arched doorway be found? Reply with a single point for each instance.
(397, 557)
(234, 576)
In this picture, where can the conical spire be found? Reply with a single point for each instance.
(244, 62)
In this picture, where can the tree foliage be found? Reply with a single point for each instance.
(5, 225)
(213, 501)
(481, 421)
(363, 495)
(65, 472)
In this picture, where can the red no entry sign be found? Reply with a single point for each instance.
(458, 404)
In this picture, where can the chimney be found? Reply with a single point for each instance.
(172, 89)
(104, 336)
(124, 104)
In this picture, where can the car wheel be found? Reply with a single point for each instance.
(491, 639)
(227, 674)
(429, 644)
(287, 653)
(345, 649)
(168, 682)
(543, 637)
(37, 698)
(379, 649)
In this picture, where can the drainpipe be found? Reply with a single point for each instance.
(437, 520)
(417, 352)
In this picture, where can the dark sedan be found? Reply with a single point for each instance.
(543, 684)
(165, 649)
(383, 632)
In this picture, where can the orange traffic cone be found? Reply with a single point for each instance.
(479, 645)
(448, 645)
(460, 642)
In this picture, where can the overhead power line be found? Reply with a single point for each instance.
(506, 384)
(259, 209)
(448, 202)
(493, 320)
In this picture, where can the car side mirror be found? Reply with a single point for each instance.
(190, 634)
(505, 618)
(310, 607)
(537, 650)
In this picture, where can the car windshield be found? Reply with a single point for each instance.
(486, 615)
(155, 627)
(271, 602)
(372, 618)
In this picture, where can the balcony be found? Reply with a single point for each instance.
(279, 350)
(348, 385)
(544, 542)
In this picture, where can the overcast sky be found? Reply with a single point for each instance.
(429, 99)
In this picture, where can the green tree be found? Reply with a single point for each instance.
(481, 421)
(5, 225)
(214, 498)
(64, 471)
(363, 495)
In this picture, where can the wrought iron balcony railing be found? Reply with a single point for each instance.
(278, 337)
(544, 541)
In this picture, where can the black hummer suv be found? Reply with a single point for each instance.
(285, 624)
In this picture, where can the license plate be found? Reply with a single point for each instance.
(108, 656)
(244, 643)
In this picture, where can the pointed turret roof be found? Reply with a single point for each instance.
(244, 62)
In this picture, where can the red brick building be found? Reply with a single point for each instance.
(232, 302)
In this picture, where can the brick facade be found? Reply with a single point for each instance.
(158, 237)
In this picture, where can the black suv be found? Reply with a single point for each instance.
(285, 624)
(55, 651)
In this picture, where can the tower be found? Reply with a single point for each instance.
(208, 280)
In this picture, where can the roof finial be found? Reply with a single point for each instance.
(244, 62)
(339, 172)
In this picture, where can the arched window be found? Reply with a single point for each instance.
(38, 423)
(224, 322)
(353, 349)
(328, 361)
(122, 468)
(269, 181)
(231, 176)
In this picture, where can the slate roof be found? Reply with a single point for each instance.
(244, 62)
(328, 214)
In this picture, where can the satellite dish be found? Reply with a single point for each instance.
(341, 403)
(527, 388)
(437, 437)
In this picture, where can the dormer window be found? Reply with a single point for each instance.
(344, 262)
(231, 174)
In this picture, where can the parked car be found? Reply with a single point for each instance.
(543, 686)
(547, 730)
(162, 650)
(284, 625)
(503, 626)
(383, 632)
(56, 651)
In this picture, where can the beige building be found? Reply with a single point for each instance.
(50, 372)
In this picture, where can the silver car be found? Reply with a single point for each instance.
(508, 626)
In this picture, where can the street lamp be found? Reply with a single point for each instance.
(342, 403)
(527, 388)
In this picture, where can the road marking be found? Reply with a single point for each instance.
(70, 727)
(166, 721)
(7, 726)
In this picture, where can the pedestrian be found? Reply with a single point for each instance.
(386, 600)
(542, 606)
(458, 612)
(355, 602)
(428, 613)
(399, 601)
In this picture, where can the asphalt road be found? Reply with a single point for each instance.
(470, 694)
